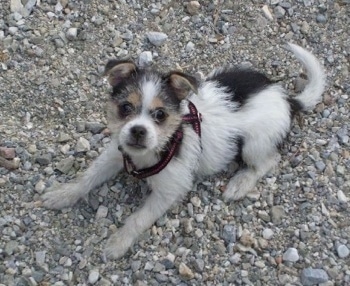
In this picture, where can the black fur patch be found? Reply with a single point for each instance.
(241, 82)
(295, 106)
(238, 158)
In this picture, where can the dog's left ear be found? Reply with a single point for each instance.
(182, 84)
(117, 71)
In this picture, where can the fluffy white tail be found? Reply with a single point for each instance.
(312, 93)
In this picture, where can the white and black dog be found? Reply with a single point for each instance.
(171, 130)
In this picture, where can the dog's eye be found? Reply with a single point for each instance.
(159, 115)
(126, 109)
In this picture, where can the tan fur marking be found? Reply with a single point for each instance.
(134, 98)
(156, 103)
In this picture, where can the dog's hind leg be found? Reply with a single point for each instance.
(246, 178)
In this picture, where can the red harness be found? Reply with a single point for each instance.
(194, 118)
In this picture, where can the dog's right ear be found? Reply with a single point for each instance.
(117, 71)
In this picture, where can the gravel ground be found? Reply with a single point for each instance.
(293, 230)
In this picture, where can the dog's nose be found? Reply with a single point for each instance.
(138, 132)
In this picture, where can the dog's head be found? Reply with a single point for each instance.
(144, 109)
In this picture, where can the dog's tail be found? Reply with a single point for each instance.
(312, 93)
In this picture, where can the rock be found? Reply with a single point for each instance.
(40, 257)
(65, 165)
(93, 276)
(308, 2)
(198, 265)
(291, 255)
(135, 265)
(310, 276)
(277, 213)
(320, 18)
(145, 59)
(83, 145)
(40, 187)
(63, 138)
(193, 7)
(149, 266)
(264, 216)
(157, 38)
(229, 233)
(30, 5)
(17, 6)
(267, 12)
(267, 233)
(58, 7)
(185, 272)
(343, 251)
(72, 34)
(94, 127)
(235, 259)
(320, 165)
(279, 12)
(127, 36)
(285, 5)
(341, 197)
(196, 201)
(7, 153)
(44, 159)
(11, 247)
(187, 223)
(102, 212)
(189, 47)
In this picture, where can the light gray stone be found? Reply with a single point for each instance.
(145, 59)
(83, 145)
(72, 34)
(102, 212)
(343, 251)
(157, 38)
(267, 233)
(65, 165)
(310, 276)
(229, 233)
(291, 255)
(94, 274)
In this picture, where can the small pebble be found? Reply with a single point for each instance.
(343, 251)
(145, 59)
(102, 212)
(93, 276)
(268, 233)
(185, 272)
(291, 255)
(193, 7)
(157, 38)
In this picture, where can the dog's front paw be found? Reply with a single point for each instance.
(118, 244)
(61, 197)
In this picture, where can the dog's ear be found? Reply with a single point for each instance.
(182, 84)
(117, 71)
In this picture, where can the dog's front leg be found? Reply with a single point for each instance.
(108, 164)
(155, 206)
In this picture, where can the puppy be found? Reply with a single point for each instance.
(172, 130)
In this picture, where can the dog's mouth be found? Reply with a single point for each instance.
(137, 146)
